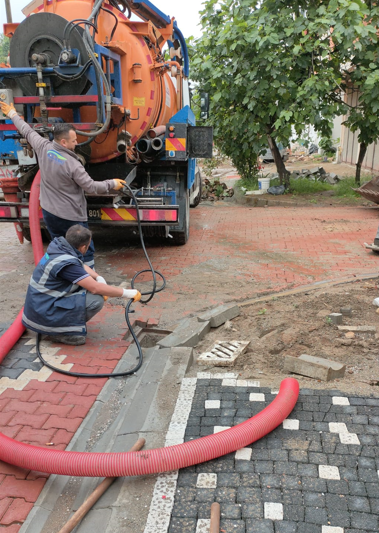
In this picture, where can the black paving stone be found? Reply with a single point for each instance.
(316, 516)
(230, 510)
(307, 470)
(225, 494)
(185, 510)
(292, 497)
(283, 467)
(313, 499)
(285, 527)
(367, 522)
(259, 526)
(205, 495)
(293, 513)
(289, 468)
(252, 510)
(228, 480)
(183, 525)
(356, 503)
(233, 526)
(12, 373)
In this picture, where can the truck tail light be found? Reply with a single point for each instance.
(8, 212)
(158, 215)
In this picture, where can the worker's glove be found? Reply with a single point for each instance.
(105, 298)
(118, 184)
(7, 109)
(100, 279)
(132, 294)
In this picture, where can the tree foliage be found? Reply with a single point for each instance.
(273, 67)
(4, 48)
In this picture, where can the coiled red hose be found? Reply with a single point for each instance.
(11, 336)
(158, 460)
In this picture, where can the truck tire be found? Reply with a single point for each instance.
(44, 233)
(198, 184)
(179, 238)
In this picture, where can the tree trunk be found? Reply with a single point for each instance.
(284, 175)
(361, 156)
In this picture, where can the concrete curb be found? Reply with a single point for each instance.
(306, 288)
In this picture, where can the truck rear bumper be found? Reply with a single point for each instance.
(121, 216)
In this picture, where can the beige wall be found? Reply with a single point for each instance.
(350, 144)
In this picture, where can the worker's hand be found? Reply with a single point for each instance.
(137, 297)
(119, 184)
(132, 294)
(7, 109)
(100, 279)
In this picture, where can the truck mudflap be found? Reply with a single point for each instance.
(127, 216)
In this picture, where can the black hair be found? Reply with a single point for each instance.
(78, 235)
(61, 131)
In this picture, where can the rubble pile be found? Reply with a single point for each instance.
(215, 190)
(313, 174)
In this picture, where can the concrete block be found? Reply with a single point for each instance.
(314, 367)
(314, 170)
(219, 315)
(358, 329)
(188, 333)
(330, 179)
(336, 318)
(346, 311)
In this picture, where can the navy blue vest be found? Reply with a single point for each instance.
(53, 305)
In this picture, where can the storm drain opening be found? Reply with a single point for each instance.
(223, 353)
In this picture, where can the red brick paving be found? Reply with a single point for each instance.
(234, 252)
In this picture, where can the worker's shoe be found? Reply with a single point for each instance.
(73, 340)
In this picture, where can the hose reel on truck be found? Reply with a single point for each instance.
(86, 63)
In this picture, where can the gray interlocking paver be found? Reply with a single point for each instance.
(284, 466)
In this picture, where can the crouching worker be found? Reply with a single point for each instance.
(64, 293)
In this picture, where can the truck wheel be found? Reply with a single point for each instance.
(198, 184)
(179, 238)
(44, 233)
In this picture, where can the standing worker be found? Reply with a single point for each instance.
(63, 178)
(64, 293)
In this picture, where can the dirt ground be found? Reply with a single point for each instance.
(298, 324)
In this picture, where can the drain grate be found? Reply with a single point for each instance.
(223, 353)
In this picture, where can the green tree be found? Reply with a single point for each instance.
(4, 48)
(273, 67)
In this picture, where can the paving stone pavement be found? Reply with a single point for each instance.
(252, 250)
(316, 473)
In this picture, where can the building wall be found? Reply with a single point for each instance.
(350, 144)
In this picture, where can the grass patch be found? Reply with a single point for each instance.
(344, 188)
(304, 186)
(250, 184)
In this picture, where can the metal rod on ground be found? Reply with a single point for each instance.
(215, 518)
(97, 493)
(8, 11)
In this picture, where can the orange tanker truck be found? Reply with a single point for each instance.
(123, 83)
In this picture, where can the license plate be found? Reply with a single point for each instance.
(94, 214)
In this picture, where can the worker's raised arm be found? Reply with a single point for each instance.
(81, 178)
(34, 139)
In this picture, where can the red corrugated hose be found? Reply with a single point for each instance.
(11, 336)
(158, 460)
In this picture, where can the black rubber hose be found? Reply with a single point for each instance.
(116, 23)
(127, 312)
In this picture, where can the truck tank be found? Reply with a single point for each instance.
(123, 84)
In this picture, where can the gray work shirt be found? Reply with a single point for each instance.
(63, 177)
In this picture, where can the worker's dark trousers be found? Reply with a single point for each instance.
(58, 227)
(94, 304)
